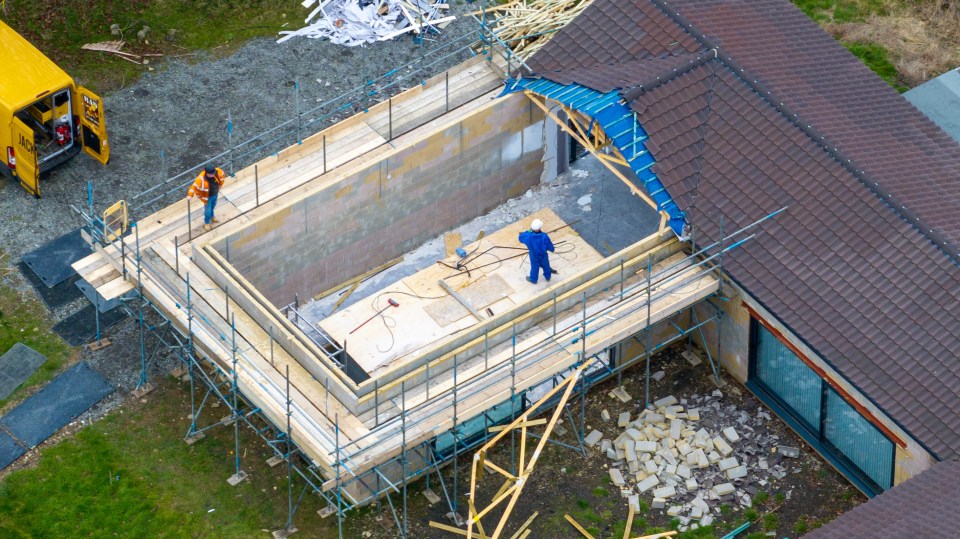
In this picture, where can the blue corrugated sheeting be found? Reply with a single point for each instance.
(621, 126)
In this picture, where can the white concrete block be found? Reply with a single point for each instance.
(592, 438)
(674, 510)
(728, 463)
(612, 454)
(706, 520)
(691, 484)
(668, 457)
(693, 414)
(633, 466)
(698, 502)
(684, 471)
(696, 513)
(666, 401)
(650, 466)
(645, 447)
(605, 415)
(652, 418)
(624, 419)
(634, 434)
(658, 503)
(731, 434)
(665, 492)
(648, 483)
(714, 457)
(630, 452)
(616, 477)
(675, 427)
(723, 489)
(634, 501)
(722, 446)
(606, 445)
(736, 473)
(671, 469)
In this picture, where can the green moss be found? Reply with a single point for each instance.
(841, 11)
(601, 492)
(770, 521)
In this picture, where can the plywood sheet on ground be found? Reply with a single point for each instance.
(428, 314)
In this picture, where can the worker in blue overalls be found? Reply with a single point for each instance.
(539, 244)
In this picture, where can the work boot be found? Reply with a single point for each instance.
(215, 220)
(207, 227)
(531, 281)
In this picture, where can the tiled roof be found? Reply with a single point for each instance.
(924, 506)
(868, 122)
(847, 268)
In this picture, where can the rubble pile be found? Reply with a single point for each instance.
(692, 456)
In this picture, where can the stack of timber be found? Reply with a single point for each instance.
(525, 25)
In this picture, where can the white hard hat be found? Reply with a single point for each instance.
(537, 224)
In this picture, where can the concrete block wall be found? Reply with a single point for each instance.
(380, 213)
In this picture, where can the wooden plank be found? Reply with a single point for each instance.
(480, 293)
(451, 529)
(523, 527)
(530, 423)
(578, 527)
(460, 299)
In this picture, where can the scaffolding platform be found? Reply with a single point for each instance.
(451, 372)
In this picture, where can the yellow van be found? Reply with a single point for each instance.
(45, 118)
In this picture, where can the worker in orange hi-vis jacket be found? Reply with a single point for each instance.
(207, 186)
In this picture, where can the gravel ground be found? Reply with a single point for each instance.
(175, 117)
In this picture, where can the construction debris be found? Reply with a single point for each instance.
(113, 47)
(525, 25)
(691, 466)
(355, 22)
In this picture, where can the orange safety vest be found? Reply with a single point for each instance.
(201, 187)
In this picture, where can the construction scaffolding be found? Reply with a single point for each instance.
(645, 294)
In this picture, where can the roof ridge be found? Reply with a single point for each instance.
(821, 140)
(701, 59)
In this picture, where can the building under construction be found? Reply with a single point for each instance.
(776, 225)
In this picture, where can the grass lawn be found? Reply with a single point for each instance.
(26, 320)
(905, 42)
(177, 28)
(132, 475)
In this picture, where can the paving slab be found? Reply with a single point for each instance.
(16, 365)
(53, 296)
(10, 450)
(51, 262)
(59, 402)
(81, 326)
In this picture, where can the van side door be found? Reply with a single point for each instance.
(25, 154)
(93, 129)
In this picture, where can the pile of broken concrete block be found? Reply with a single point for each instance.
(690, 466)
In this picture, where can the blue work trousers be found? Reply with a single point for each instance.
(208, 209)
(540, 262)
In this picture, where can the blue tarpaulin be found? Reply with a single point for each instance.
(620, 125)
